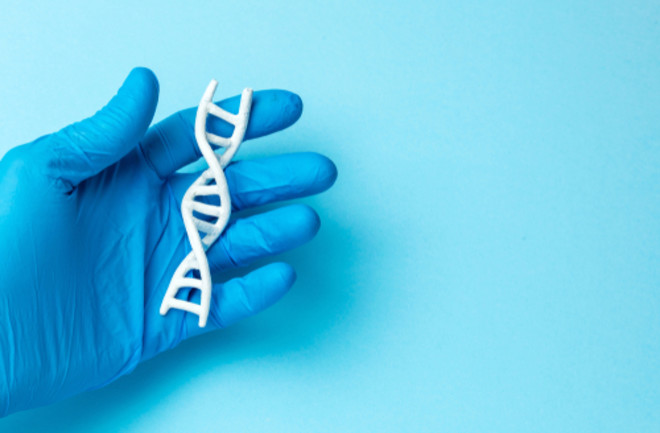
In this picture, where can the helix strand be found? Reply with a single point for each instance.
(194, 272)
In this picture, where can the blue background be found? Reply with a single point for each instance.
(489, 257)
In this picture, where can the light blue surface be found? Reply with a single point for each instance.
(489, 257)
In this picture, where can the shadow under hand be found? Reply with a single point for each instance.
(308, 316)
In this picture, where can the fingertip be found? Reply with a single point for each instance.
(144, 81)
(330, 171)
(243, 297)
(273, 110)
(133, 108)
(325, 171)
(281, 277)
(265, 286)
(305, 219)
(286, 274)
(285, 105)
(144, 73)
(294, 105)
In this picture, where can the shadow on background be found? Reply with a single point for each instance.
(309, 313)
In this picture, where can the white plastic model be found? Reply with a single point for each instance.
(208, 218)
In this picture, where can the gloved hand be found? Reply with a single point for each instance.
(91, 233)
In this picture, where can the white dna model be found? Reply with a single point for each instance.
(210, 219)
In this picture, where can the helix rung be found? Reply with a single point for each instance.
(207, 209)
(205, 226)
(203, 190)
(195, 283)
(185, 305)
(218, 140)
(222, 114)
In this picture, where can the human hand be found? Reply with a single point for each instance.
(91, 233)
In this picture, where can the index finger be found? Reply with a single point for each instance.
(170, 144)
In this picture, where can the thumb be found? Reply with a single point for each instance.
(85, 148)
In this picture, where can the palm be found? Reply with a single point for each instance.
(90, 257)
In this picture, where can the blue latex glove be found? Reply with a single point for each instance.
(91, 233)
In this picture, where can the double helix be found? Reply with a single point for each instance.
(201, 214)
